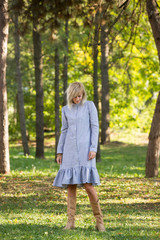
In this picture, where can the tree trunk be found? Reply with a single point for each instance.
(57, 120)
(95, 73)
(39, 89)
(65, 70)
(105, 133)
(95, 60)
(154, 19)
(152, 158)
(20, 91)
(4, 148)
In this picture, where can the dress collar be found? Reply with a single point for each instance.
(76, 104)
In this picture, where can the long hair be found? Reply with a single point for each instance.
(73, 90)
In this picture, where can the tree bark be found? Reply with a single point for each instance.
(39, 89)
(95, 73)
(154, 19)
(65, 70)
(105, 118)
(57, 120)
(4, 145)
(20, 91)
(95, 60)
(152, 158)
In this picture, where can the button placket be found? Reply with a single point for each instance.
(77, 150)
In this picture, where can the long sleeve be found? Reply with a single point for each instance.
(94, 124)
(63, 132)
(79, 136)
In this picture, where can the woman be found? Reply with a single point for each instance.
(76, 152)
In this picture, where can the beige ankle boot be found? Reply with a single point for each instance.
(98, 215)
(71, 209)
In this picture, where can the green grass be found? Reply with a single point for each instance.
(30, 208)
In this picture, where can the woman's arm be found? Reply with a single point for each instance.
(63, 133)
(94, 124)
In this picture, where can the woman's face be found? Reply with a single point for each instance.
(78, 98)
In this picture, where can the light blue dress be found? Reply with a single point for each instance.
(79, 136)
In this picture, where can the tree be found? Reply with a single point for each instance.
(107, 24)
(4, 148)
(95, 71)
(152, 158)
(154, 19)
(111, 30)
(39, 84)
(33, 12)
(57, 120)
(105, 135)
(65, 69)
(19, 86)
(95, 59)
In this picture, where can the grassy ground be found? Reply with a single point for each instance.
(30, 208)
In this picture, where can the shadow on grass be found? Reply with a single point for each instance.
(38, 232)
(37, 193)
(23, 195)
(57, 205)
(122, 220)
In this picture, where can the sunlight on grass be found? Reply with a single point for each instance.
(130, 136)
(30, 208)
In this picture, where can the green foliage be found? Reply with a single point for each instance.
(135, 81)
(133, 72)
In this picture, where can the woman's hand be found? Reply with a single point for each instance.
(59, 158)
(92, 155)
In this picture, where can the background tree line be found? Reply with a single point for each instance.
(53, 43)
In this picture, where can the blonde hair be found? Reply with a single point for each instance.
(73, 90)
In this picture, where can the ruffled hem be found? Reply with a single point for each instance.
(77, 175)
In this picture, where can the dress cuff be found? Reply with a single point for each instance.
(92, 149)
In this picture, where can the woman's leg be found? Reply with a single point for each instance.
(71, 206)
(92, 194)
